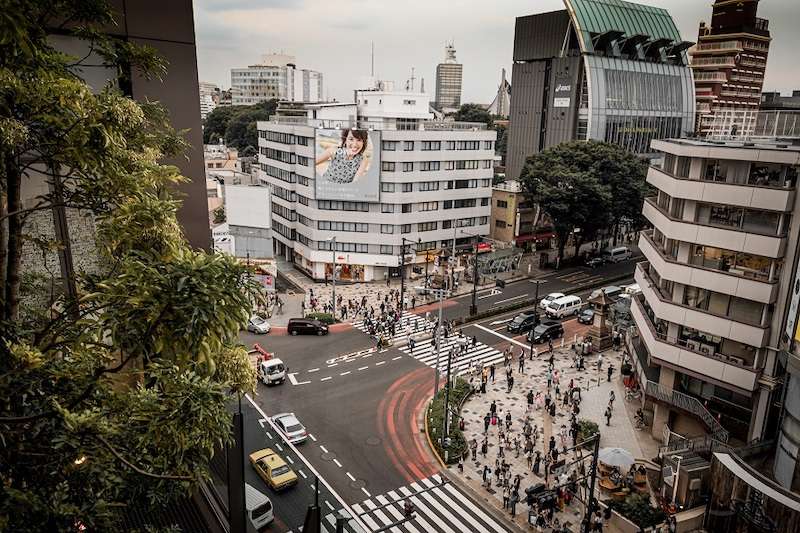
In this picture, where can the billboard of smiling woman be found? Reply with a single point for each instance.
(348, 165)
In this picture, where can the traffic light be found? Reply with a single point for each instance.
(500, 283)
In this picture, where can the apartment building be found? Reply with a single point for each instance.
(276, 77)
(427, 184)
(715, 286)
(729, 62)
(449, 77)
(209, 98)
(514, 217)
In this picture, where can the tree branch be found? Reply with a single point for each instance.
(136, 468)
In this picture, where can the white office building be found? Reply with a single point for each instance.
(715, 286)
(209, 98)
(431, 184)
(275, 77)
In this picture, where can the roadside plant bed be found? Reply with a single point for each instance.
(435, 414)
(325, 318)
(587, 428)
(637, 509)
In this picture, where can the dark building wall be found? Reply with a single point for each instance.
(169, 28)
(540, 36)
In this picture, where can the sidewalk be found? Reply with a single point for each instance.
(594, 393)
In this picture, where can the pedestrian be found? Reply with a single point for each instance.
(535, 353)
(484, 447)
(508, 420)
(474, 341)
(608, 416)
(599, 362)
(550, 345)
(485, 472)
(491, 372)
(510, 383)
(552, 444)
(506, 497)
(553, 410)
(413, 302)
(473, 446)
(493, 408)
(610, 371)
(611, 398)
(530, 400)
(521, 368)
(486, 421)
(460, 465)
(513, 503)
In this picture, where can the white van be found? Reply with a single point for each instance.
(272, 371)
(566, 305)
(259, 508)
(615, 255)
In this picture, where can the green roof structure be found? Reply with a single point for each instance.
(594, 17)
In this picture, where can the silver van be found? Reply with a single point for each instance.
(612, 291)
(615, 255)
(259, 508)
(564, 306)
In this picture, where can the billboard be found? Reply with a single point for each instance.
(348, 165)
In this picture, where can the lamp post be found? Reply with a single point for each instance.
(402, 274)
(473, 308)
(333, 273)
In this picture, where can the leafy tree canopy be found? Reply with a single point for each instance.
(473, 113)
(113, 382)
(585, 186)
(237, 124)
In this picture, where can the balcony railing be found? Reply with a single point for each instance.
(423, 125)
(711, 47)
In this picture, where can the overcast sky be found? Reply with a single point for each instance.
(334, 37)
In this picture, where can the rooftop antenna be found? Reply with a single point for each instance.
(372, 61)
(422, 85)
(413, 79)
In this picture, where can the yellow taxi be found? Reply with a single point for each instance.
(273, 469)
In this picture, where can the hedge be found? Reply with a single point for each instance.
(587, 428)
(637, 509)
(458, 444)
(325, 318)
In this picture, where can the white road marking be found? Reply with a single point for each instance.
(313, 370)
(344, 373)
(312, 437)
(350, 476)
(323, 448)
(333, 364)
(396, 358)
(261, 422)
(509, 339)
(326, 379)
(369, 355)
(494, 292)
(509, 299)
(329, 505)
(293, 380)
(280, 449)
(363, 368)
(302, 473)
(337, 463)
(269, 435)
(504, 321)
(365, 492)
(289, 459)
(380, 363)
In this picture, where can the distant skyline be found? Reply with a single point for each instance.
(335, 38)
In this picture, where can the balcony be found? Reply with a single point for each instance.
(726, 282)
(713, 324)
(750, 193)
(686, 357)
(738, 240)
(725, 46)
(713, 62)
(711, 77)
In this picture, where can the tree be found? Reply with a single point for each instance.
(585, 185)
(564, 183)
(473, 113)
(219, 215)
(637, 509)
(237, 124)
(501, 146)
(113, 391)
(216, 123)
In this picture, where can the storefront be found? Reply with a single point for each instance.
(345, 272)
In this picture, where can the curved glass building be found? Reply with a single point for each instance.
(600, 69)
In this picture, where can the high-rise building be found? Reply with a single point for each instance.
(600, 69)
(729, 63)
(448, 81)
(275, 77)
(409, 180)
(209, 98)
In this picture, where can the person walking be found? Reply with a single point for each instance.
(610, 371)
(611, 398)
(485, 472)
(506, 497)
(513, 503)
(550, 345)
(493, 408)
(510, 383)
(491, 372)
(608, 416)
(473, 446)
(521, 368)
(530, 401)
(599, 362)
(486, 421)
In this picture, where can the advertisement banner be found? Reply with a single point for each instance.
(348, 165)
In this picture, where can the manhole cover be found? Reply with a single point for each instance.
(358, 484)
(373, 441)
(328, 456)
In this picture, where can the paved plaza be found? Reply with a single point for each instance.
(595, 389)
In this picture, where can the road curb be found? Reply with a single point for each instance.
(431, 447)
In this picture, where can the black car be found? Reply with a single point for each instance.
(300, 326)
(586, 316)
(595, 262)
(522, 322)
(547, 330)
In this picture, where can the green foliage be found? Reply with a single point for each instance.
(501, 146)
(237, 124)
(637, 509)
(325, 318)
(587, 428)
(118, 396)
(219, 215)
(458, 444)
(472, 113)
(585, 185)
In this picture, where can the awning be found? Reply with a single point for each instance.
(535, 237)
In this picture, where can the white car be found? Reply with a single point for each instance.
(290, 426)
(256, 324)
(550, 298)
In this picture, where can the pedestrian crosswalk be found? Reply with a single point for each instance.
(438, 507)
(580, 277)
(409, 322)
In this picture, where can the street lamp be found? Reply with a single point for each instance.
(402, 274)
(535, 310)
(333, 273)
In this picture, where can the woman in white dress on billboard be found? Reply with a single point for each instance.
(347, 161)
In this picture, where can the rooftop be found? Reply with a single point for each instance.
(422, 125)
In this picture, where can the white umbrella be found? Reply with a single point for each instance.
(616, 457)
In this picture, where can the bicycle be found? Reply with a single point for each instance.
(633, 394)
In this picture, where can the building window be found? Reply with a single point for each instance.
(408, 145)
(389, 145)
(451, 145)
(387, 187)
(426, 226)
(304, 161)
(387, 228)
(483, 221)
(484, 201)
(447, 224)
(387, 208)
(429, 165)
(488, 145)
(406, 208)
(334, 205)
(500, 223)
(449, 165)
(447, 204)
(387, 166)
(302, 199)
(406, 187)
(428, 206)
(502, 204)
(302, 180)
(487, 163)
(682, 170)
(467, 165)
(429, 186)
(486, 182)
(302, 141)
(405, 228)
(408, 166)
(330, 225)
(386, 249)
(431, 145)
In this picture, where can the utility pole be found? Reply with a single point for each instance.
(593, 477)
(473, 309)
(402, 274)
(333, 274)
(438, 343)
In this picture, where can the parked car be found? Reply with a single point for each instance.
(290, 426)
(615, 255)
(306, 326)
(547, 330)
(586, 316)
(595, 262)
(544, 302)
(256, 324)
(273, 469)
(259, 507)
(564, 306)
(522, 322)
(612, 291)
(272, 371)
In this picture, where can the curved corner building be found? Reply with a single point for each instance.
(600, 69)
